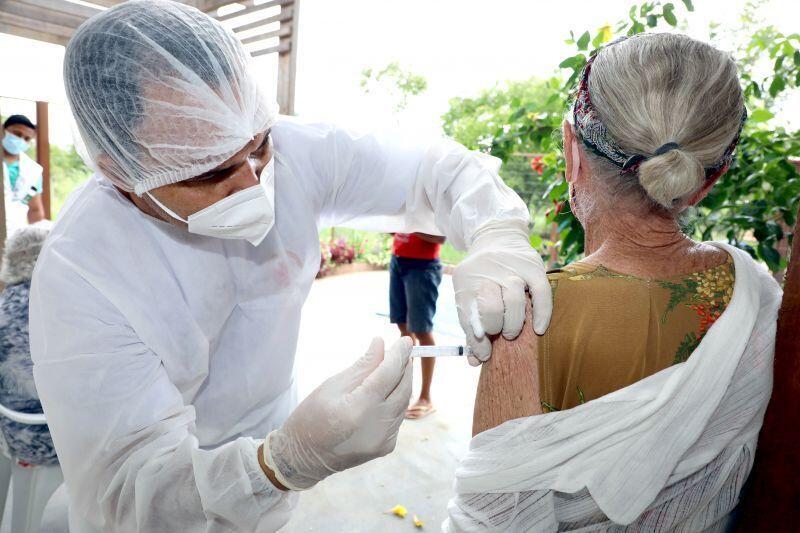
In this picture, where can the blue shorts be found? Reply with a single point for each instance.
(413, 291)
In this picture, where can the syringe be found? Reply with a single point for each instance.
(440, 351)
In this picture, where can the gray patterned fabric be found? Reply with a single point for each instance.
(31, 444)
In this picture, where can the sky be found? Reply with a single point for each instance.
(459, 46)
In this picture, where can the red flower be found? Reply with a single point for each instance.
(537, 165)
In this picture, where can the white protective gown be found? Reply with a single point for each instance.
(162, 358)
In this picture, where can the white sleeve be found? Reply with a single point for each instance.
(124, 436)
(386, 184)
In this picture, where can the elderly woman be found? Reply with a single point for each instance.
(641, 405)
(30, 444)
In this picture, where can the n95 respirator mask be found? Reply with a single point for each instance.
(248, 214)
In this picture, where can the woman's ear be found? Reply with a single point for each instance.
(572, 154)
(706, 188)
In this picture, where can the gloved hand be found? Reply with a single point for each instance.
(490, 286)
(352, 418)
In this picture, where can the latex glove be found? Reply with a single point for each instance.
(490, 287)
(352, 418)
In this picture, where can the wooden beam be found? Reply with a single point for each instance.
(40, 16)
(285, 14)
(23, 27)
(2, 203)
(271, 50)
(64, 6)
(773, 489)
(284, 31)
(43, 152)
(105, 3)
(253, 8)
(287, 64)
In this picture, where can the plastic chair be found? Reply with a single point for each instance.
(33, 485)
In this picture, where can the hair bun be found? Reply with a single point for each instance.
(671, 176)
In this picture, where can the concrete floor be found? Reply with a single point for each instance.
(341, 316)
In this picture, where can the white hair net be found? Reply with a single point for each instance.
(161, 92)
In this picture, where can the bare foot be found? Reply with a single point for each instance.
(419, 409)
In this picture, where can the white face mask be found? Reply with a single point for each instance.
(248, 214)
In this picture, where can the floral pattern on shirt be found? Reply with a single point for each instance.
(707, 293)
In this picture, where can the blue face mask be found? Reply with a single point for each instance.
(14, 145)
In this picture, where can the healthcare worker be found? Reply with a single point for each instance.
(165, 305)
(23, 175)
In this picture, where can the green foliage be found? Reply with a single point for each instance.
(392, 77)
(67, 173)
(754, 204)
(476, 122)
(376, 248)
(506, 112)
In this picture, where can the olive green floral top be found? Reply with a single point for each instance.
(610, 330)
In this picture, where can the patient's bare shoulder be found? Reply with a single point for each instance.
(509, 384)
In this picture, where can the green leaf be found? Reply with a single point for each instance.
(777, 85)
(760, 115)
(797, 57)
(778, 63)
(652, 20)
(747, 248)
(536, 241)
(518, 114)
(669, 16)
(761, 232)
(583, 41)
(603, 36)
(689, 5)
(770, 255)
(569, 62)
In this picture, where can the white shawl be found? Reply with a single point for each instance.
(669, 452)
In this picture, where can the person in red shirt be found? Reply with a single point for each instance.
(414, 276)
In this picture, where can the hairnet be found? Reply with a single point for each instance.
(21, 251)
(160, 93)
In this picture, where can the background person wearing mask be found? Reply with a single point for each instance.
(163, 357)
(23, 175)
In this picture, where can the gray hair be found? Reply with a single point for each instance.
(654, 89)
(21, 251)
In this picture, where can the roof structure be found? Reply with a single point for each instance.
(264, 27)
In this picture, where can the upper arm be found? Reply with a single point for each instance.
(368, 176)
(509, 383)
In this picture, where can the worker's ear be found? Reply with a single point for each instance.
(109, 168)
(105, 165)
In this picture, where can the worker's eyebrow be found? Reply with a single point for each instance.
(214, 172)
